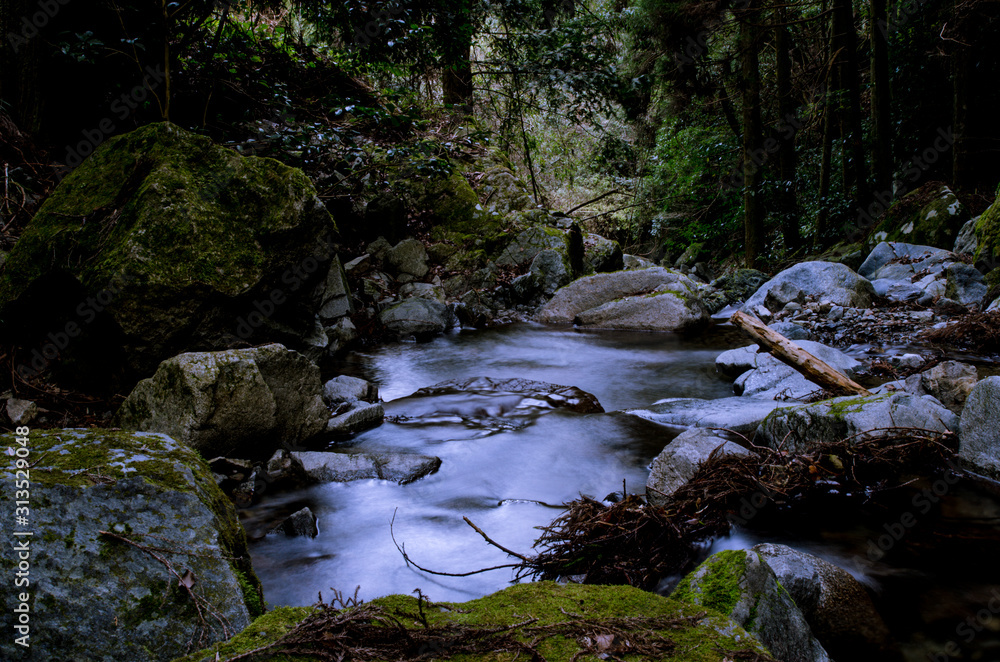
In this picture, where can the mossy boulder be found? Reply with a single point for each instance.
(988, 237)
(239, 402)
(601, 255)
(162, 242)
(523, 249)
(503, 192)
(931, 215)
(734, 287)
(801, 428)
(95, 596)
(706, 637)
(445, 200)
(739, 584)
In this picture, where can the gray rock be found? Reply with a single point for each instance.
(739, 414)
(328, 467)
(555, 396)
(965, 284)
(300, 523)
(837, 607)
(676, 307)
(734, 362)
(835, 282)
(237, 402)
(340, 335)
(21, 412)
(359, 265)
(907, 362)
(791, 330)
(408, 257)
(416, 317)
(680, 460)
(379, 249)
(900, 262)
(967, 241)
(770, 378)
(345, 388)
(593, 291)
(550, 269)
(336, 300)
(735, 287)
(946, 306)
(754, 599)
(801, 428)
(636, 262)
(897, 290)
(979, 447)
(950, 382)
(601, 255)
(505, 192)
(423, 291)
(528, 244)
(96, 597)
(360, 416)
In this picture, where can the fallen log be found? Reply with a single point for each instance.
(812, 368)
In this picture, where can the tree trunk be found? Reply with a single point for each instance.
(811, 367)
(457, 80)
(881, 109)
(753, 149)
(787, 200)
(846, 42)
(21, 78)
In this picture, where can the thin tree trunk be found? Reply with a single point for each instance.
(787, 200)
(21, 78)
(850, 72)
(753, 150)
(880, 95)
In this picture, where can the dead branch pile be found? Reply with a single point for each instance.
(632, 542)
(372, 632)
(978, 332)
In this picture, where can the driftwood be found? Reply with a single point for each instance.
(783, 349)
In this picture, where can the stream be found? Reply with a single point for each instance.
(507, 465)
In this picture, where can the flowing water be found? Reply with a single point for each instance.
(507, 461)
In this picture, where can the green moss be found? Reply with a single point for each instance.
(160, 208)
(84, 458)
(988, 234)
(546, 601)
(718, 582)
(263, 630)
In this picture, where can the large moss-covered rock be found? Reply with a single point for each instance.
(988, 236)
(822, 280)
(241, 402)
(931, 215)
(446, 200)
(94, 596)
(741, 585)
(706, 637)
(162, 242)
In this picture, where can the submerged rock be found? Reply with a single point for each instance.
(554, 396)
(740, 584)
(240, 402)
(300, 523)
(332, 467)
(95, 596)
(677, 464)
(837, 607)
(162, 241)
(702, 634)
(358, 416)
(739, 414)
